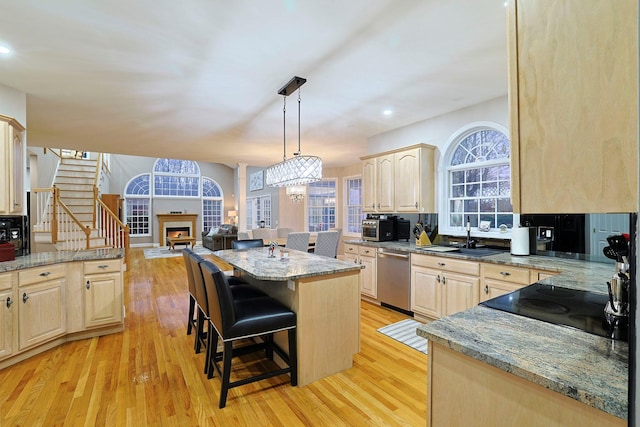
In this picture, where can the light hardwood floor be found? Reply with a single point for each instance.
(149, 374)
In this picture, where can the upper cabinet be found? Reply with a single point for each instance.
(399, 181)
(12, 159)
(573, 101)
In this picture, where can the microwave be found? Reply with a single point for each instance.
(377, 230)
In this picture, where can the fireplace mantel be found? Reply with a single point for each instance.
(176, 220)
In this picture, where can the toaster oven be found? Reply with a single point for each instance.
(377, 230)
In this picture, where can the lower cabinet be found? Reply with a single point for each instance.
(7, 310)
(41, 304)
(41, 307)
(102, 293)
(499, 279)
(366, 256)
(443, 286)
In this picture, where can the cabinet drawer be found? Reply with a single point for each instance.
(351, 249)
(507, 273)
(5, 281)
(102, 266)
(447, 264)
(41, 274)
(367, 251)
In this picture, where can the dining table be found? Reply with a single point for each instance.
(323, 292)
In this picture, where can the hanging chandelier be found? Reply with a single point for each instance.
(298, 170)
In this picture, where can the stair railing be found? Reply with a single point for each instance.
(76, 235)
(114, 232)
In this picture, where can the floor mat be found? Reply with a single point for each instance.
(405, 332)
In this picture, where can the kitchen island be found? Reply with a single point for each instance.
(324, 293)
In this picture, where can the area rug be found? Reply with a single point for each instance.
(404, 331)
(165, 252)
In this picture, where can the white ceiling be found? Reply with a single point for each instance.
(198, 79)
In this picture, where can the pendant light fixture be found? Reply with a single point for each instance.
(298, 170)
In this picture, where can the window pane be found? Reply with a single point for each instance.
(354, 205)
(471, 205)
(487, 205)
(472, 190)
(504, 205)
(457, 177)
(137, 215)
(321, 205)
(490, 189)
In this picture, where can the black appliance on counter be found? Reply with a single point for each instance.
(562, 306)
(558, 232)
(378, 228)
(15, 230)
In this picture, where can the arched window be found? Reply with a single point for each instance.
(479, 179)
(137, 196)
(212, 200)
(176, 178)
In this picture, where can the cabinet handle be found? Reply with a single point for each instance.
(505, 273)
(350, 249)
(103, 266)
(444, 280)
(45, 274)
(486, 289)
(88, 285)
(416, 205)
(9, 302)
(441, 264)
(367, 251)
(25, 297)
(438, 279)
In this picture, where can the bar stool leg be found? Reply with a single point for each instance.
(293, 356)
(226, 372)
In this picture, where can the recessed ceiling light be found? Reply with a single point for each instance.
(387, 112)
(4, 50)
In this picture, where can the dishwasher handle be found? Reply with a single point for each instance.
(393, 254)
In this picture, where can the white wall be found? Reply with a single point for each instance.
(13, 103)
(437, 131)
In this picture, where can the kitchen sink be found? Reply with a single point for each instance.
(479, 251)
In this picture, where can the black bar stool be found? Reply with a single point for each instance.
(233, 320)
(191, 320)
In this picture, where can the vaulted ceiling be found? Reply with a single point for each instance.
(199, 79)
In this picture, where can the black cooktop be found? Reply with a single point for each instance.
(562, 306)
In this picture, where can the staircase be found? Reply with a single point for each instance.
(70, 216)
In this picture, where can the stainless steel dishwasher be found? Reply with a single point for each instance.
(394, 279)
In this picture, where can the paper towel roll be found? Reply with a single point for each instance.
(520, 241)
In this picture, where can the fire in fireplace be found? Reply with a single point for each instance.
(177, 231)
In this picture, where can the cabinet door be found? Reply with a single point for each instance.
(41, 312)
(18, 166)
(461, 292)
(369, 185)
(102, 299)
(495, 288)
(426, 291)
(369, 276)
(7, 310)
(573, 106)
(385, 183)
(408, 180)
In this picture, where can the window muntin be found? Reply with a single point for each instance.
(353, 202)
(176, 178)
(321, 205)
(212, 201)
(479, 180)
(138, 205)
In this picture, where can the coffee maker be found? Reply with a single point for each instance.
(617, 308)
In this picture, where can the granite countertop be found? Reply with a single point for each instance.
(586, 367)
(256, 263)
(48, 258)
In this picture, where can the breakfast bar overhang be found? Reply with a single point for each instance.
(324, 293)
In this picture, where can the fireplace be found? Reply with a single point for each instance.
(176, 221)
(178, 232)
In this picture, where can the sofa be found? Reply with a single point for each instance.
(219, 238)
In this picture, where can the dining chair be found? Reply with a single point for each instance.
(233, 320)
(298, 241)
(327, 243)
(283, 232)
(262, 233)
(191, 319)
(244, 235)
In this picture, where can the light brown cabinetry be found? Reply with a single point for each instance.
(102, 293)
(12, 162)
(366, 256)
(498, 279)
(573, 103)
(7, 315)
(443, 286)
(41, 311)
(399, 181)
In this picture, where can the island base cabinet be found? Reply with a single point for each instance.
(102, 300)
(462, 391)
(41, 312)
